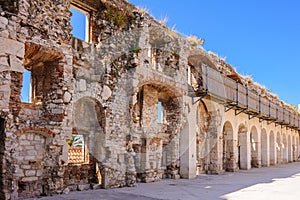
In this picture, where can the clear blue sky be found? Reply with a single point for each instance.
(260, 38)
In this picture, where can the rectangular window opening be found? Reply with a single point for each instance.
(160, 114)
(80, 23)
(76, 151)
(26, 87)
(189, 75)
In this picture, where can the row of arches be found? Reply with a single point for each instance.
(254, 148)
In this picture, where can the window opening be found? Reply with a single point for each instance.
(80, 23)
(160, 114)
(26, 87)
(76, 151)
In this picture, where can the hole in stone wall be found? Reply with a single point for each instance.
(160, 114)
(76, 153)
(80, 23)
(26, 87)
(2, 137)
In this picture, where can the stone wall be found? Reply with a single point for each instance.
(107, 90)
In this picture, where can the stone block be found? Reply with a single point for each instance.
(81, 85)
(39, 172)
(66, 191)
(96, 186)
(25, 167)
(67, 97)
(4, 34)
(83, 187)
(57, 111)
(31, 153)
(29, 136)
(12, 47)
(72, 187)
(29, 158)
(24, 142)
(37, 138)
(4, 61)
(30, 172)
(29, 179)
(106, 92)
(3, 22)
(29, 147)
(16, 64)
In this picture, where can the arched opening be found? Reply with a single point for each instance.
(229, 145)
(201, 138)
(86, 150)
(284, 149)
(243, 152)
(2, 145)
(294, 148)
(289, 147)
(272, 149)
(255, 148)
(278, 148)
(297, 147)
(155, 113)
(265, 148)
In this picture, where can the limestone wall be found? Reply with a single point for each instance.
(107, 91)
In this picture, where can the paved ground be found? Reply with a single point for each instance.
(278, 182)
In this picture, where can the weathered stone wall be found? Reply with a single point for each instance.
(107, 90)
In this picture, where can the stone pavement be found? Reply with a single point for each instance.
(276, 182)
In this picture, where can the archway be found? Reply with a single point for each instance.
(156, 114)
(243, 151)
(272, 149)
(265, 160)
(294, 148)
(201, 138)
(284, 149)
(278, 148)
(289, 148)
(255, 148)
(229, 145)
(2, 144)
(87, 146)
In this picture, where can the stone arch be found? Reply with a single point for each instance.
(284, 148)
(243, 148)
(297, 146)
(157, 112)
(294, 148)
(289, 148)
(201, 137)
(265, 156)
(86, 159)
(229, 148)
(39, 130)
(2, 144)
(255, 148)
(272, 143)
(279, 148)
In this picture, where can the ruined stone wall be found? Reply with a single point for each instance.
(26, 25)
(106, 90)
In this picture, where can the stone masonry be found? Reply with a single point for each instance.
(135, 102)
